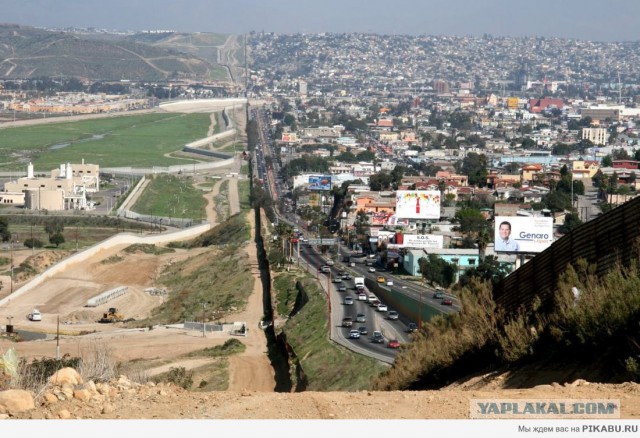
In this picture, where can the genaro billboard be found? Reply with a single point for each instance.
(423, 241)
(418, 204)
(320, 183)
(523, 234)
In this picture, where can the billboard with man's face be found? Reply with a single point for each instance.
(523, 234)
(320, 182)
(418, 204)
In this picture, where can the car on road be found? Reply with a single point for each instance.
(362, 296)
(375, 303)
(342, 288)
(361, 317)
(393, 315)
(371, 298)
(326, 269)
(447, 302)
(352, 264)
(354, 334)
(377, 338)
(381, 307)
(363, 330)
(394, 343)
(336, 280)
(381, 279)
(389, 283)
(412, 327)
(330, 262)
(347, 321)
(438, 295)
(346, 277)
(372, 269)
(348, 300)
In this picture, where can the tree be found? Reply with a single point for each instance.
(54, 225)
(471, 220)
(571, 221)
(606, 161)
(557, 201)
(380, 181)
(56, 239)
(5, 234)
(475, 167)
(489, 269)
(437, 271)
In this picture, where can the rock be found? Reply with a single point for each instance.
(67, 390)
(91, 386)
(64, 414)
(66, 376)
(4, 417)
(49, 398)
(579, 382)
(82, 394)
(107, 408)
(16, 400)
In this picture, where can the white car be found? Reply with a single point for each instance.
(35, 315)
(382, 308)
(393, 315)
(389, 282)
(372, 269)
(354, 334)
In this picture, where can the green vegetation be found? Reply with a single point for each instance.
(221, 202)
(171, 196)
(140, 140)
(231, 346)
(244, 189)
(286, 294)
(591, 323)
(219, 279)
(326, 366)
(233, 232)
(147, 249)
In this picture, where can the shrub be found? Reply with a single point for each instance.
(33, 243)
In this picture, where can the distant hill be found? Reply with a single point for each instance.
(27, 52)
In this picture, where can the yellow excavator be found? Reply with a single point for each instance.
(111, 316)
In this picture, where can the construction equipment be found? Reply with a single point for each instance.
(111, 316)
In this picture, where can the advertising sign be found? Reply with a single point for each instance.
(423, 241)
(387, 218)
(320, 182)
(418, 204)
(523, 234)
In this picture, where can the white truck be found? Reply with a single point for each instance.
(359, 282)
(35, 315)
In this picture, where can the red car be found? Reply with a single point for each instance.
(394, 344)
(447, 302)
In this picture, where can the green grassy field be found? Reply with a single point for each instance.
(140, 140)
(171, 196)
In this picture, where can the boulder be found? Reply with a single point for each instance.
(66, 376)
(16, 400)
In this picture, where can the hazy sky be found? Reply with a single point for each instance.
(600, 20)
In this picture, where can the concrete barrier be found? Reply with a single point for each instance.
(107, 296)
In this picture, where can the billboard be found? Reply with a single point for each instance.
(418, 204)
(386, 218)
(423, 241)
(523, 234)
(320, 183)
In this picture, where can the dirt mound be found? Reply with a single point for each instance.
(38, 263)
(80, 317)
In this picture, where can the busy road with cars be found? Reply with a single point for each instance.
(360, 320)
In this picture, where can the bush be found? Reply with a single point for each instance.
(180, 376)
(33, 243)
